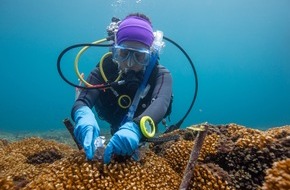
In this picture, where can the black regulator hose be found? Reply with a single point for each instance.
(77, 46)
(178, 124)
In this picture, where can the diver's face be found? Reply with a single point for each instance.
(131, 55)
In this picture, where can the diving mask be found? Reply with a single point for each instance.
(133, 56)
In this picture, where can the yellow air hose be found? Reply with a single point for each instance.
(81, 78)
(102, 70)
(124, 101)
(76, 63)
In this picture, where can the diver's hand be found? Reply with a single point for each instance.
(86, 130)
(124, 142)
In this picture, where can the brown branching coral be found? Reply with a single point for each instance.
(250, 154)
(210, 176)
(246, 137)
(23, 160)
(210, 146)
(47, 156)
(6, 183)
(232, 157)
(255, 140)
(278, 177)
(178, 154)
(243, 153)
(3, 143)
(30, 146)
(152, 172)
(279, 132)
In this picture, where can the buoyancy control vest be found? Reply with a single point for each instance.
(107, 106)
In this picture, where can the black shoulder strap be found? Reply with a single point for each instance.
(153, 76)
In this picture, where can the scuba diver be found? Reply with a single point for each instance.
(142, 90)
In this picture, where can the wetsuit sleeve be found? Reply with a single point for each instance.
(88, 97)
(161, 96)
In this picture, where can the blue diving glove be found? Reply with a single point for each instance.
(86, 130)
(124, 142)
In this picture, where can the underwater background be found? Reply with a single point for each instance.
(240, 49)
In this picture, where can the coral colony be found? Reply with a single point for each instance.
(231, 157)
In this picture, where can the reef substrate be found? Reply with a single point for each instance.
(232, 157)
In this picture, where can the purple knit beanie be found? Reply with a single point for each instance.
(134, 28)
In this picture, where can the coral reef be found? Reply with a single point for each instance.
(21, 161)
(76, 173)
(278, 177)
(232, 157)
(244, 154)
(210, 176)
(251, 153)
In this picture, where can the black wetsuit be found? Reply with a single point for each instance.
(155, 104)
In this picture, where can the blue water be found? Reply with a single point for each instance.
(240, 48)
